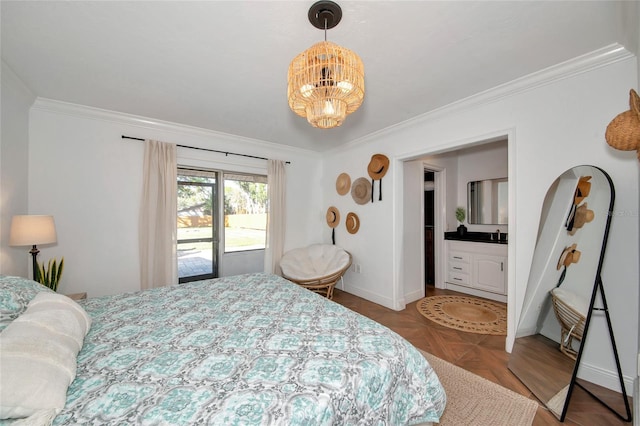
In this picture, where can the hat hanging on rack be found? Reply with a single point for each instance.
(623, 132)
(361, 190)
(569, 255)
(377, 168)
(582, 190)
(333, 220)
(343, 183)
(582, 215)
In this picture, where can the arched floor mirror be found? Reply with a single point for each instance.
(565, 290)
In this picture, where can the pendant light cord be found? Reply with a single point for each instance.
(325, 29)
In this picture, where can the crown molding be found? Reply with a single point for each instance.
(585, 63)
(581, 64)
(125, 119)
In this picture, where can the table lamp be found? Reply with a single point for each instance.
(31, 230)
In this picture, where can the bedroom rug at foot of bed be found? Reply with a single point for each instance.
(470, 314)
(474, 400)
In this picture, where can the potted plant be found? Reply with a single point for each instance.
(460, 215)
(50, 276)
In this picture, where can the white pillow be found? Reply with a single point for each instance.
(38, 352)
(573, 300)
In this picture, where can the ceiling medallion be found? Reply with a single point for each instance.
(326, 81)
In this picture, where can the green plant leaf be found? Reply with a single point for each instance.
(40, 274)
(50, 275)
(60, 269)
(53, 269)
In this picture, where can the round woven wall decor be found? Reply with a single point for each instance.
(470, 314)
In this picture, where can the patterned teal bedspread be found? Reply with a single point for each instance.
(245, 350)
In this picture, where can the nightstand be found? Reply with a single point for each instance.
(77, 296)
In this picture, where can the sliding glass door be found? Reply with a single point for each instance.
(197, 248)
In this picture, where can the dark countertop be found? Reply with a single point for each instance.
(478, 237)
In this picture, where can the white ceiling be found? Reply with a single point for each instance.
(222, 65)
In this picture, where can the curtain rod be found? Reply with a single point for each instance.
(226, 153)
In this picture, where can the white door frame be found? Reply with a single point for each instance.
(440, 213)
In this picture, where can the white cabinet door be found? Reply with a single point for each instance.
(489, 273)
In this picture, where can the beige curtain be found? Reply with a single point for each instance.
(276, 187)
(158, 263)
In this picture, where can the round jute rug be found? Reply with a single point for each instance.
(464, 313)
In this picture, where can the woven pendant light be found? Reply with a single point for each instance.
(326, 81)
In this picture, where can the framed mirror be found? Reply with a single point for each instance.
(488, 202)
(565, 288)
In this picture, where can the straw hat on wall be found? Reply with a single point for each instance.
(333, 217)
(333, 220)
(343, 183)
(361, 190)
(569, 255)
(377, 168)
(352, 223)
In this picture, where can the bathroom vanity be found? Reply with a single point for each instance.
(477, 264)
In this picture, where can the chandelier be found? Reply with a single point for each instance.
(326, 81)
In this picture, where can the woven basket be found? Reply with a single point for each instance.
(623, 132)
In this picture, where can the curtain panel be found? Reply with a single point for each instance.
(158, 216)
(276, 187)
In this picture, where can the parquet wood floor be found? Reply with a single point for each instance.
(483, 355)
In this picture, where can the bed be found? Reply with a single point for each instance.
(245, 350)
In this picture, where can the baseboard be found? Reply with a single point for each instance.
(413, 296)
(372, 297)
(606, 378)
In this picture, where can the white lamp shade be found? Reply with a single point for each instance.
(28, 230)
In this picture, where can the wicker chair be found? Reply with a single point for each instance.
(571, 312)
(317, 267)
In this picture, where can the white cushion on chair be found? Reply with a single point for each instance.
(572, 300)
(314, 261)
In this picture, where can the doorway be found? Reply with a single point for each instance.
(197, 231)
(429, 225)
(452, 170)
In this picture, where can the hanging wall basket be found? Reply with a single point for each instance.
(623, 132)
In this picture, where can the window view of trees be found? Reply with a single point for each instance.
(245, 210)
(192, 199)
(244, 197)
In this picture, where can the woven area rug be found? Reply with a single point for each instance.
(474, 400)
(464, 313)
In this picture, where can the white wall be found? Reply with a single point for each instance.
(632, 16)
(413, 212)
(14, 145)
(555, 120)
(88, 177)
